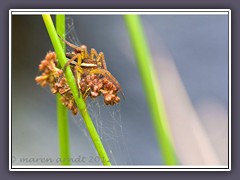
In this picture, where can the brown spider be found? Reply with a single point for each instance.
(92, 69)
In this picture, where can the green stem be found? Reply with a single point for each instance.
(71, 82)
(62, 112)
(60, 28)
(150, 83)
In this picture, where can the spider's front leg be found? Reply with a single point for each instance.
(77, 70)
(66, 65)
(78, 74)
(99, 58)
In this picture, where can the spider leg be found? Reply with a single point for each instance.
(70, 61)
(64, 91)
(85, 94)
(93, 53)
(77, 74)
(66, 65)
(68, 43)
(107, 74)
(99, 58)
(69, 55)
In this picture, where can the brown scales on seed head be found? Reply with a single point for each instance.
(93, 85)
(92, 77)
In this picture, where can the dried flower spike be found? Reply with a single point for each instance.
(91, 74)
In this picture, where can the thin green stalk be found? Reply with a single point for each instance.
(71, 82)
(62, 112)
(150, 84)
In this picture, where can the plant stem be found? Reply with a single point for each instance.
(62, 112)
(71, 82)
(151, 86)
(60, 28)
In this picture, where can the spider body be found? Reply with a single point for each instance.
(92, 65)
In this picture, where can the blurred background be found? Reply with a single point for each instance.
(190, 54)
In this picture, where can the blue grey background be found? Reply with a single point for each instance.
(198, 45)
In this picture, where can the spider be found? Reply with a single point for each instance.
(85, 64)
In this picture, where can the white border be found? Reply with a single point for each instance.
(113, 168)
(119, 12)
(124, 11)
(229, 89)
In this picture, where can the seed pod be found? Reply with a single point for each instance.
(109, 85)
(95, 88)
(54, 90)
(44, 63)
(70, 105)
(43, 83)
(100, 85)
(94, 94)
(51, 79)
(41, 67)
(75, 111)
(116, 100)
